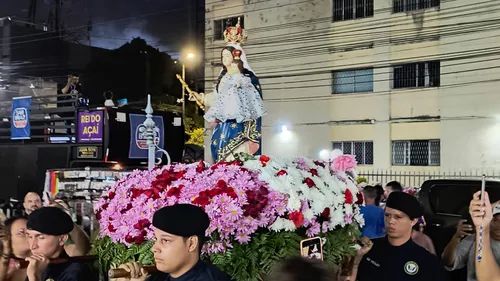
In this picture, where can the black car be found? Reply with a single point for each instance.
(446, 202)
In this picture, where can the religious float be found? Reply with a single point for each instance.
(260, 207)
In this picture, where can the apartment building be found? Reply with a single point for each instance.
(402, 84)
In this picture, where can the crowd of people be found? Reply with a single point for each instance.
(393, 246)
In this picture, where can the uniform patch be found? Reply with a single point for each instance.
(411, 268)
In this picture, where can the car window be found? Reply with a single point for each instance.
(453, 198)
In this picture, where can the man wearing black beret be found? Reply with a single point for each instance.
(396, 257)
(47, 230)
(180, 234)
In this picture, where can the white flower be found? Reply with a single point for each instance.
(283, 224)
(308, 214)
(348, 209)
(294, 203)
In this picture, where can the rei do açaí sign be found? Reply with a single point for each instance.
(90, 126)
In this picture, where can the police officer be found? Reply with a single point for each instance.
(179, 231)
(48, 229)
(396, 257)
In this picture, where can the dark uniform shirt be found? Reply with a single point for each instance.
(200, 272)
(69, 272)
(408, 262)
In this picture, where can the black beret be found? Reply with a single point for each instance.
(50, 221)
(405, 203)
(184, 220)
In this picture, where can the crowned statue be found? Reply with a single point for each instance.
(235, 107)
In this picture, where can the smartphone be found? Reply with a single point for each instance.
(312, 248)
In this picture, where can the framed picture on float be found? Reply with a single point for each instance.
(312, 248)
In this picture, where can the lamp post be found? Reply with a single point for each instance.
(189, 56)
(150, 134)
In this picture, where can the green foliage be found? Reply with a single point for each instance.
(249, 262)
(244, 262)
(361, 179)
(111, 255)
(339, 243)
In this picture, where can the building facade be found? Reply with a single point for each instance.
(402, 84)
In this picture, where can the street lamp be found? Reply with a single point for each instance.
(189, 56)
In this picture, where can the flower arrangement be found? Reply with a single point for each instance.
(260, 208)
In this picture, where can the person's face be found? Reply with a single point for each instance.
(387, 191)
(47, 245)
(495, 225)
(32, 201)
(76, 79)
(227, 58)
(19, 239)
(398, 224)
(171, 252)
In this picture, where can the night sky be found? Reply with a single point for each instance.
(164, 27)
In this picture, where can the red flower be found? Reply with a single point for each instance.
(111, 228)
(136, 192)
(237, 163)
(139, 239)
(149, 193)
(360, 198)
(264, 159)
(98, 215)
(105, 206)
(297, 218)
(326, 213)
(175, 191)
(314, 172)
(309, 182)
(129, 206)
(281, 173)
(200, 167)
(214, 192)
(111, 195)
(318, 163)
(129, 239)
(221, 184)
(201, 201)
(348, 197)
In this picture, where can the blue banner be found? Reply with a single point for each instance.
(138, 141)
(20, 120)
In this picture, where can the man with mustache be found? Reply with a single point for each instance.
(180, 234)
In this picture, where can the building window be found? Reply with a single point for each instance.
(352, 81)
(412, 5)
(363, 150)
(417, 75)
(352, 9)
(416, 153)
(221, 25)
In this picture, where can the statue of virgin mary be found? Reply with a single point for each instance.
(235, 108)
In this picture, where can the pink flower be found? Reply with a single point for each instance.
(344, 163)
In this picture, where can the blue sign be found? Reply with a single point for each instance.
(138, 141)
(20, 120)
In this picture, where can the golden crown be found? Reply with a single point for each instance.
(235, 34)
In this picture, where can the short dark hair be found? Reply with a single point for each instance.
(370, 192)
(300, 269)
(10, 221)
(380, 192)
(395, 186)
